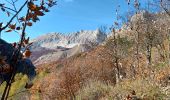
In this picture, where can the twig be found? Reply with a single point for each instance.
(166, 10)
(13, 4)
(3, 28)
(8, 85)
(10, 9)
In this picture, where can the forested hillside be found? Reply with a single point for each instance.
(131, 61)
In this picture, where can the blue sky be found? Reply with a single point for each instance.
(73, 15)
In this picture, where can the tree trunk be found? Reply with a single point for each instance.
(117, 71)
(149, 54)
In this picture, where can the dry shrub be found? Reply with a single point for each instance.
(145, 90)
(162, 76)
(60, 86)
(70, 83)
(95, 65)
(71, 76)
(94, 90)
(76, 71)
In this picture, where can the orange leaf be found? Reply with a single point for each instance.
(26, 41)
(27, 53)
(38, 8)
(22, 19)
(12, 26)
(39, 13)
(31, 6)
(29, 24)
(8, 30)
(30, 15)
(34, 19)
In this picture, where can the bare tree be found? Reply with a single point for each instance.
(119, 48)
(165, 5)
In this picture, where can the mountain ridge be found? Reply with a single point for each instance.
(54, 39)
(55, 45)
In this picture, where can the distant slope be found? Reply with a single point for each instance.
(57, 55)
(54, 46)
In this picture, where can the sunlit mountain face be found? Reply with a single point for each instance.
(58, 45)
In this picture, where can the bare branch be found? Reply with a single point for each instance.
(13, 4)
(16, 56)
(3, 28)
(10, 9)
(165, 9)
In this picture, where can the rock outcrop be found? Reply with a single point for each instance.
(55, 46)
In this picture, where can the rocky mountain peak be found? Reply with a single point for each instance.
(55, 40)
(58, 46)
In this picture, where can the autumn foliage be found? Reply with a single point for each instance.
(27, 14)
(137, 56)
